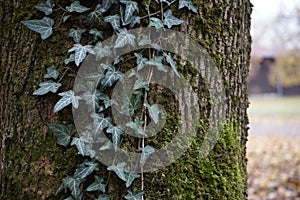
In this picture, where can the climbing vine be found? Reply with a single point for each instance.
(91, 25)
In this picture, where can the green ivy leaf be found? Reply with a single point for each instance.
(42, 26)
(114, 20)
(100, 122)
(170, 20)
(188, 4)
(131, 7)
(103, 197)
(130, 178)
(96, 33)
(102, 51)
(85, 169)
(130, 103)
(67, 98)
(116, 132)
(106, 100)
(119, 170)
(125, 38)
(111, 76)
(52, 72)
(135, 195)
(76, 34)
(96, 16)
(157, 62)
(69, 198)
(62, 132)
(106, 5)
(163, 1)
(70, 59)
(155, 22)
(153, 111)
(140, 61)
(72, 184)
(65, 18)
(80, 144)
(137, 126)
(45, 7)
(98, 184)
(146, 152)
(140, 84)
(45, 87)
(172, 63)
(81, 52)
(76, 7)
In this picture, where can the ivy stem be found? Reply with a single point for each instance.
(157, 12)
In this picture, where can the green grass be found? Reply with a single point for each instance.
(275, 107)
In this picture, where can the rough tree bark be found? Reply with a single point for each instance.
(32, 165)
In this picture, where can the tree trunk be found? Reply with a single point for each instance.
(31, 163)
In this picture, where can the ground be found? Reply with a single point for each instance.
(274, 148)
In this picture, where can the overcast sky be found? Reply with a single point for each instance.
(264, 19)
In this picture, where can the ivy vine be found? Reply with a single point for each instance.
(91, 26)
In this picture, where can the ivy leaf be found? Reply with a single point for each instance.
(140, 61)
(153, 111)
(146, 152)
(73, 184)
(135, 195)
(62, 132)
(114, 20)
(92, 98)
(125, 38)
(51, 73)
(188, 4)
(45, 7)
(131, 7)
(96, 16)
(98, 184)
(42, 26)
(80, 52)
(65, 18)
(45, 87)
(106, 100)
(112, 75)
(163, 1)
(69, 198)
(140, 84)
(107, 145)
(130, 178)
(96, 33)
(67, 98)
(106, 5)
(119, 170)
(103, 197)
(116, 132)
(137, 126)
(172, 63)
(70, 59)
(102, 51)
(76, 34)
(170, 20)
(80, 144)
(100, 122)
(85, 169)
(76, 7)
(155, 22)
(157, 62)
(130, 104)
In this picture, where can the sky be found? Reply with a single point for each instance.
(265, 28)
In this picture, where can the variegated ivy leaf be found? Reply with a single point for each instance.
(125, 38)
(70, 59)
(130, 178)
(131, 7)
(85, 169)
(188, 4)
(106, 100)
(144, 41)
(73, 185)
(80, 145)
(119, 170)
(140, 61)
(102, 51)
(130, 103)
(76, 7)
(114, 20)
(103, 197)
(162, 1)
(146, 152)
(42, 26)
(135, 195)
(69, 198)
(97, 185)
(106, 5)
(96, 16)
(111, 76)
(153, 111)
(157, 62)
(45, 87)
(140, 84)
(66, 17)
(81, 52)
(170, 20)
(155, 22)
(100, 122)
(62, 132)
(92, 99)
(76, 34)
(45, 7)
(137, 126)
(67, 98)
(96, 33)
(172, 63)
(52, 72)
(116, 132)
